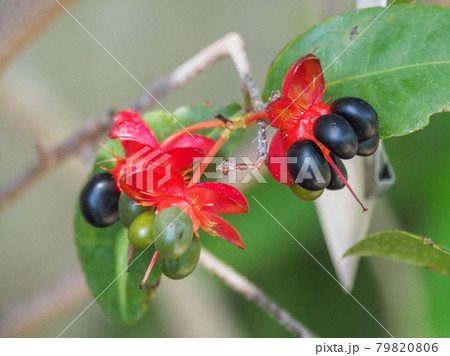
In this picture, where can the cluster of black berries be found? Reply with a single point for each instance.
(351, 128)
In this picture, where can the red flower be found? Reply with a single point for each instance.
(202, 202)
(295, 112)
(142, 149)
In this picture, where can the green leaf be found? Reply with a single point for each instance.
(405, 247)
(397, 59)
(103, 252)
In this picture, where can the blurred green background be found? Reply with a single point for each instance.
(63, 78)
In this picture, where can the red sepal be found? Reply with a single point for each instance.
(133, 132)
(152, 184)
(193, 141)
(283, 114)
(218, 198)
(277, 161)
(304, 83)
(224, 229)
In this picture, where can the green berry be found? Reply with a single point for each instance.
(173, 232)
(304, 194)
(183, 266)
(140, 232)
(129, 210)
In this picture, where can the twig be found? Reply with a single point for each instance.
(47, 160)
(230, 45)
(56, 300)
(251, 292)
(21, 21)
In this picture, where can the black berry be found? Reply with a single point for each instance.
(368, 147)
(336, 182)
(360, 115)
(308, 166)
(337, 135)
(99, 200)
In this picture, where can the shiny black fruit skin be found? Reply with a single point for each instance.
(369, 146)
(99, 200)
(303, 153)
(337, 135)
(360, 115)
(336, 182)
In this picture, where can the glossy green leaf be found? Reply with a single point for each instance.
(396, 58)
(405, 247)
(103, 252)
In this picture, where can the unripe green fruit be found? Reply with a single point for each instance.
(304, 194)
(129, 209)
(173, 232)
(140, 232)
(183, 266)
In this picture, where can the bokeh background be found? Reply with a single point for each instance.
(63, 78)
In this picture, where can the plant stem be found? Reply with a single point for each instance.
(252, 293)
(249, 121)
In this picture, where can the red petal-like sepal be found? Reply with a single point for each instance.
(218, 198)
(224, 229)
(277, 161)
(152, 183)
(283, 114)
(304, 83)
(133, 132)
(187, 150)
(183, 157)
(192, 141)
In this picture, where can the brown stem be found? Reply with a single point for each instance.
(52, 302)
(251, 292)
(47, 160)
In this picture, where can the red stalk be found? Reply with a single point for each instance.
(249, 121)
(149, 269)
(331, 162)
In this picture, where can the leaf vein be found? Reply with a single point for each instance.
(384, 71)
